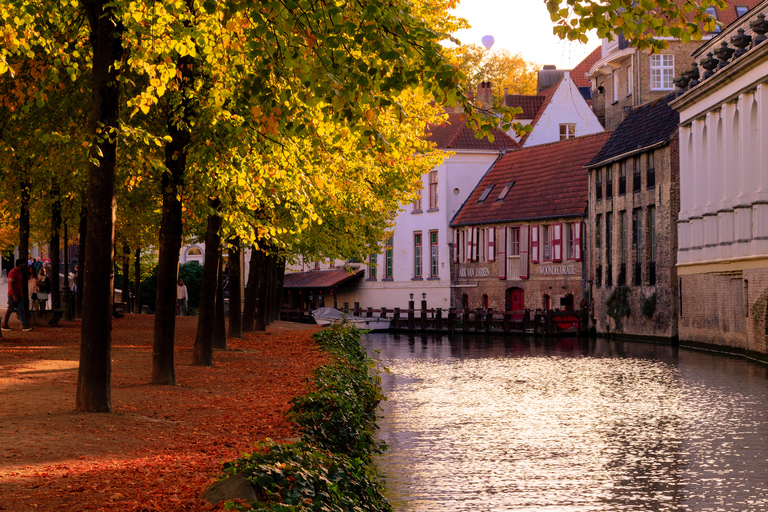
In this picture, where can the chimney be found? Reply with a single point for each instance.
(485, 95)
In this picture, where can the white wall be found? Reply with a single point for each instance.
(567, 106)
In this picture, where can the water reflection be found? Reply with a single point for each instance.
(487, 424)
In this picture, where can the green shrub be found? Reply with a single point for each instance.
(649, 305)
(297, 477)
(191, 273)
(340, 414)
(617, 304)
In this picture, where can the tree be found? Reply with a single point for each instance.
(644, 23)
(505, 70)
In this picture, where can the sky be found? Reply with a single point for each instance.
(521, 26)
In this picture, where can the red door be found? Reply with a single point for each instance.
(515, 299)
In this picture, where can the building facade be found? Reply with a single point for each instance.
(723, 220)
(518, 239)
(634, 199)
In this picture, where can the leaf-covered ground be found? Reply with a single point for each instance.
(162, 445)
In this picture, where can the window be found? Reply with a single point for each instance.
(485, 194)
(741, 10)
(629, 80)
(637, 228)
(434, 269)
(569, 241)
(545, 243)
(372, 266)
(622, 248)
(650, 179)
(615, 77)
(713, 12)
(599, 185)
(332, 264)
(608, 182)
(482, 250)
(662, 72)
(623, 168)
(317, 265)
(433, 190)
(505, 191)
(652, 245)
(514, 242)
(609, 249)
(388, 258)
(636, 176)
(417, 202)
(598, 252)
(417, 255)
(567, 131)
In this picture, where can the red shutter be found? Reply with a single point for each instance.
(534, 244)
(577, 241)
(455, 245)
(491, 242)
(475, 242)
(466, 244)
(523, 252)
(557, 242)
(502, 252)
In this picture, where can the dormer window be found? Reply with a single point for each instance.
(485, 194)
(505, 190)
(713, 12)
(741, 10)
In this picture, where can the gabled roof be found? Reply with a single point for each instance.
(454, 134)
(547, 97)
(579, 73)
(549, 182)
(645, 126)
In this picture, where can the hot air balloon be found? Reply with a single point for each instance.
(488, 42)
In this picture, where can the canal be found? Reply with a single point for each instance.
(496, 424)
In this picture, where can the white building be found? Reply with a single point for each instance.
(557, 113)
(723, 222)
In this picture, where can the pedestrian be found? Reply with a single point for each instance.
(15, 296)
(38, 264)
(32, 286)
(43, 288)
(181, 298)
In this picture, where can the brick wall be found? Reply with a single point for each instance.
(714, 309)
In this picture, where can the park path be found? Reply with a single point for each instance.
(162, 445)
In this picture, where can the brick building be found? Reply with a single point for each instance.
(517, 239)
(723, 221)
(626, 77)
(632, 234)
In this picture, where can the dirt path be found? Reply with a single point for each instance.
(162, 445)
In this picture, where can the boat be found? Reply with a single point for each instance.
(328, 316)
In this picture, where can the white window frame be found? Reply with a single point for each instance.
(662, 68)
(567, 131)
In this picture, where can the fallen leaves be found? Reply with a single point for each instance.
(162, 446)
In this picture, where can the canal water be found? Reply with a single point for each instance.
(496, 424)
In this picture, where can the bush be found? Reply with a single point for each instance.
(330, 470)
(191, 273)
(618, 303)
(296, 477)
(649, 305)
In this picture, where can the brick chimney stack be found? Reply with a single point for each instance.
(485, 95)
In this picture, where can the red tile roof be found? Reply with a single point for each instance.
(729, 15)
(454, 134)
(529, 103)
(549, 182)
(319, 278)
(579, 73)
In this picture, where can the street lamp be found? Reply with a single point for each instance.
(411, 296)
(424, 296)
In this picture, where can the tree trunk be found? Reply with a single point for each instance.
(203, 350)
(171, 227)
(82, 246)
(262, 309)
(54, 248)
(252, 289)
(125, 295)
(94, 376)
(220, 324)
(137, 280)
(235, 280)
(24, 239)
(277, 290)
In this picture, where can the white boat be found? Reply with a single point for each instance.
(327, 316)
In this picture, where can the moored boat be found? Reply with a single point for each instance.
(327, 316)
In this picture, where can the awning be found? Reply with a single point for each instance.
(320, 278)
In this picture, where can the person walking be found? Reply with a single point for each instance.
(32, 286)
(181, 298)
(43, 288)
(15, 297)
